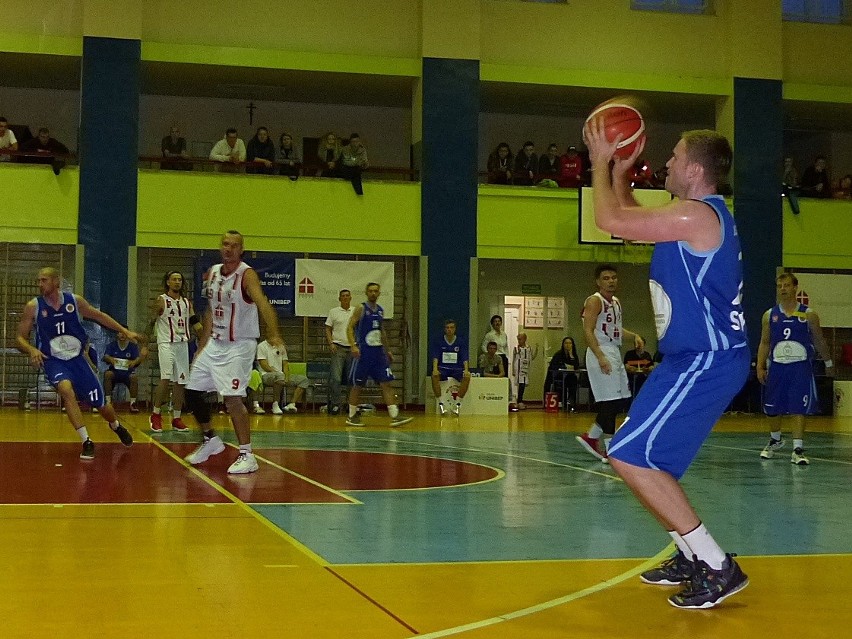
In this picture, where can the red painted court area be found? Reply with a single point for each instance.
(348, 470)
(53, 473)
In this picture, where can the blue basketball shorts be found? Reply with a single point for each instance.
(370, 365)
(680, 403)
(122, 377)
(790, 390)
(78, 371)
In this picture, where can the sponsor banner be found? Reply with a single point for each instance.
(318, 284)
(276, 273)
(829, 295)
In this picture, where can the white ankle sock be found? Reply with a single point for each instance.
(83, 433)
(595, 431)
(703, 546)
(393, 411)
(681, 544)
(352, 410)
(776, 435)
(245, 448)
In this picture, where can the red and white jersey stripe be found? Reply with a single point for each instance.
(173, 322)
(608, 325)
(234, 315)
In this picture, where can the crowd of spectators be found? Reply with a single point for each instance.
(568, 170)
(815, 181)
(41, 149)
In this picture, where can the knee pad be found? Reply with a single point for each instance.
(200, 408)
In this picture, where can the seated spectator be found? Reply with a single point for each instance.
(500, 165)
(548, 164)
(53, 150)
(570, 169)
(815, 181)
(844, 188)
(174, 146)
(229, 150)
(791, 175)
(8, 141)
(260, 153)
(275, 371)
(565, 359)
(288, 156)
(526, 165)
(638, 363)
(643, 177)
(329, 155)
(491, 363)
(123, 357)
(353, 160)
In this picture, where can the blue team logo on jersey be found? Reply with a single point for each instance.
(69, 308)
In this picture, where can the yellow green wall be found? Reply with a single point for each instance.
(39, 207)
(191, 210)
(820, 236)
(539, 224)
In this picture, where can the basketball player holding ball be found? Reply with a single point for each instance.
(696, 284)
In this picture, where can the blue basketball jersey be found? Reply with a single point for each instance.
(450, 355)
(790, 338)
(697, 295)
(368, 330)
(60, 333)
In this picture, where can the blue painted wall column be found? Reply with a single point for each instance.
(758, 152)
(109, 140)
(449, 187)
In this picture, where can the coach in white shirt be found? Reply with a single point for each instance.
(7, 140)
(338, 343)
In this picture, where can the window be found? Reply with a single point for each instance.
(674, 6)
(825, 11)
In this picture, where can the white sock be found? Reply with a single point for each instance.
(705, 547)
(257, 404)
(83, 433)
(114, 424)
(176, 414)
(352, 410)
(681, 544)
(798, 443)
(595, 431)
(393, 411)
(132, 400)
(245, 448)
(776, 435)
(275, 405)
(156, 410)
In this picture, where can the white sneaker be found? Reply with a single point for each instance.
(441, 408)
(210, 447)
(291, 408)
(457, 410)
(244, 464)
(276, 409)
(258, 410)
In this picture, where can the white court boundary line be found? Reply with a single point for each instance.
(553, 603)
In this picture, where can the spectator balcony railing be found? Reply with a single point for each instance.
(37, 157)
(522, 178)
(175, 163)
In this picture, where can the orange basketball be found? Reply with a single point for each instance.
(620, 118)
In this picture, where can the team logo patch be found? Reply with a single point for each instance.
(774, 318)
(44, 312)
(69, 308)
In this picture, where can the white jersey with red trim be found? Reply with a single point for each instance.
(173, 321)
(608, 326)
(234, 316)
